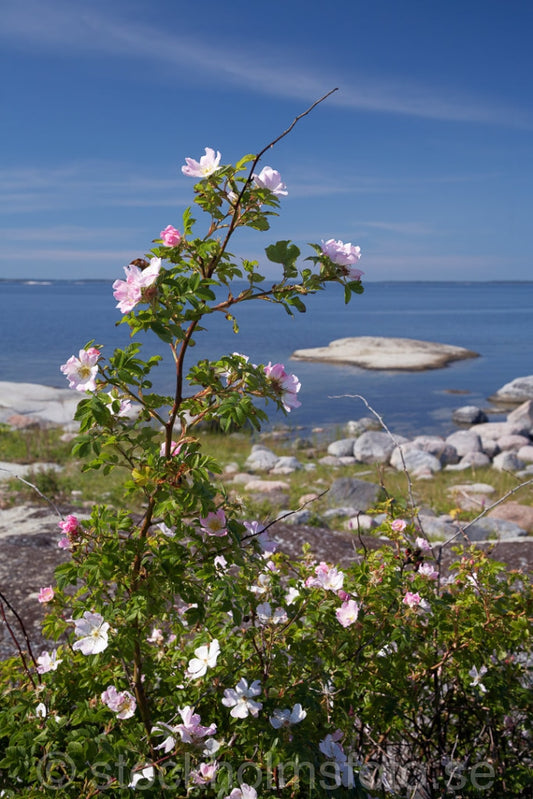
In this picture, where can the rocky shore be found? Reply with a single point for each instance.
(29, 533)
(503, 446)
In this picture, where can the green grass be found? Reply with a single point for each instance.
(73, 486)
(34, 444)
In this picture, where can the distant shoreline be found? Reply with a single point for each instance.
(46, 281)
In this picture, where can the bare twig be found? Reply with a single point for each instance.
(233, 223)
(285, 516)
(26, 482)
(394, 440)
(485, 511)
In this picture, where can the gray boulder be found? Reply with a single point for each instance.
(518, 390)
(469, 414)
(286, 464)
(341, 448)
(463, 464)
(41, 405)
(373, 447)
(526, 453)
(475, 459)
(464, 441)
(496, 430)
(338, 513)
(522, 515)
(261, 459)
(437, 527)
(416, 461)
(361, 522)
(513, 442)
(357, 494)
(507, 462)
(378, 352)
(472, 496)
(438, 447)
(303, 516)
(330, 460)
(489, 446)
(358, 426)
(523, 415)
(490, 527)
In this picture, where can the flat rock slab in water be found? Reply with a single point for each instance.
(376, 352)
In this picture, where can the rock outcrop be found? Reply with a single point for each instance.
(24, 404)
(517, 391)
(376, 352)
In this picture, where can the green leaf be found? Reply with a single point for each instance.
(188, 222)
(246, 159)
(283, 252)
(298, 304)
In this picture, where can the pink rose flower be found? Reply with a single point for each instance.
(347, 613)
(69, 525)
(175, 448)
(344, 255)
(46, 594)
(48, 662)
(205, 774)
(421, 543)
(286, 385)
(170, 236)
(398, 525)
(244, 791)
(81, 372)
(120, 702)
(133, 290)
(428, 570)
(203, 168)
(270, 179)
(411, 600)
(214, 523)
(327, 577)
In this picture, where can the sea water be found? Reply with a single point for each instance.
(42, 324)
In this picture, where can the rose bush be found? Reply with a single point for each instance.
(193, 659)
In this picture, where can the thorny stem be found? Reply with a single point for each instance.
(212, 266)
(178, 397)
(138, 686)
(14, 637)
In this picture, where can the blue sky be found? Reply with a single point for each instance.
(424, 156)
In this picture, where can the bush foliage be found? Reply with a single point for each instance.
(193, 659)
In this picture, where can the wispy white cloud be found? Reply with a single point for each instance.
(63, 234)
(403, 228)
(71, 255)
(85, 185)
(74, 29)
(99, 184)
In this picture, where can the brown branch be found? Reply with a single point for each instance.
(213, 264)
(178, 397)
(14, 637)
